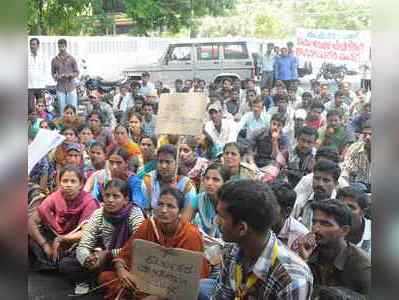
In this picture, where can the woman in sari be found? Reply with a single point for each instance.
(56, 224)
(168, 230)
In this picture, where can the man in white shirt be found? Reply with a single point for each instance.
(256, 119)
(122, 102)
(220, 130)
(268, 67)
(36, 73)
(146, 87)
(304, 188)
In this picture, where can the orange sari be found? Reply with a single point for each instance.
(186, 237)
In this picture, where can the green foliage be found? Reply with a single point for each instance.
(66, 17)
(333, 14)
(171, 15)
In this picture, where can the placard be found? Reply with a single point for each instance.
(181, 113)
(166, 272)
(334, 46)
(45, 141)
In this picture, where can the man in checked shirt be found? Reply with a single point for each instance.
(257, 265)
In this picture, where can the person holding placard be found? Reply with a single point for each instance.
(166, 229)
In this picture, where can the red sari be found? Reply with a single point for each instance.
(186, 237)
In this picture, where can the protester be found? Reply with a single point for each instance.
(57, 223)
(106, 232)
(97, 104)
(102, 134)
(334, 261)
(233, 156)
(268, 61)
(202, 210)
(122, 140)
(220, 131)
(149, 120)
(335, 134)
(36, 71)
(147, 195)
(325, 181)
(122, 102)
(360, 233)
(287, 229)
(285, 67)
(256, 264)
(254, 120)
(302, 158)
(64, 71)
(357, 162)
(190, 164)
(167, 229)
(135, 130)
(69, 118)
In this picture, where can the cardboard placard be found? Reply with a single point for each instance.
(181, 113)
(166, 272)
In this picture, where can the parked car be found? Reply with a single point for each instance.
(210, 59)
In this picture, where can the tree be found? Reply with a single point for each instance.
(67, 17)
(333, 14)
(171, 15)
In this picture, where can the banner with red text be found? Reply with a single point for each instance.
(333, 46)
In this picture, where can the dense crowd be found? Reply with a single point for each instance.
(275, 190)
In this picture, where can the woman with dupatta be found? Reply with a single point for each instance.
(168, 230)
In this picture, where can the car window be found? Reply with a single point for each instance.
(208, 52)
(180, 53)
(235, 51)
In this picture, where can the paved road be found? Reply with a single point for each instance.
(50, 286)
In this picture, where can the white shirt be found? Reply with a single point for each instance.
(146, 90)
(252, 124)
(304, 192)
(36, 72)
(127, 102)
(228, 132)
(268, 62)
(291, 230)
(365, 242)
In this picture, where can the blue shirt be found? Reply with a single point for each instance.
(285, 68)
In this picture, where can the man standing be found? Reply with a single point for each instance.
(256, 265)
(285, 67)
(64, 70)
(36, 74)
(268, 67)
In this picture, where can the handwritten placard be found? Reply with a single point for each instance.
(166, 272)
(181, 113)
(335, 46)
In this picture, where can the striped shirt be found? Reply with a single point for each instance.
(288, 277)
(98, 233)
